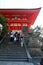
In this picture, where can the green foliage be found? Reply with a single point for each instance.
(5, 29)
(3, 21)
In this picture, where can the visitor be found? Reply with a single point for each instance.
(21, 41)
(15, 37)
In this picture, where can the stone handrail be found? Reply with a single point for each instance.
(2, 39)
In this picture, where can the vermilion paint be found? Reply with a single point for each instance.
(25, 17)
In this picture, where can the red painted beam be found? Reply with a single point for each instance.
(27, 16)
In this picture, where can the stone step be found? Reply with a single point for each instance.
(13, 59)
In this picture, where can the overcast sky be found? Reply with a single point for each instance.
(28, 4)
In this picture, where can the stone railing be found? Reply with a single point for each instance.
(2, 39)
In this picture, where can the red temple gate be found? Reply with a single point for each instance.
(18, 18)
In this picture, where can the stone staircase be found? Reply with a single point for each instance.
(11, 51)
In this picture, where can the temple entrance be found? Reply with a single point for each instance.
(25, 29)
(18, 20)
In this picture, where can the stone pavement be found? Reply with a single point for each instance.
(14, 63)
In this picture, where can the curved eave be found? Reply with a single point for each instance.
(18, 11)
(31, 13)
(21, 9)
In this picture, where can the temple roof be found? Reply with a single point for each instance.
(29, 14)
